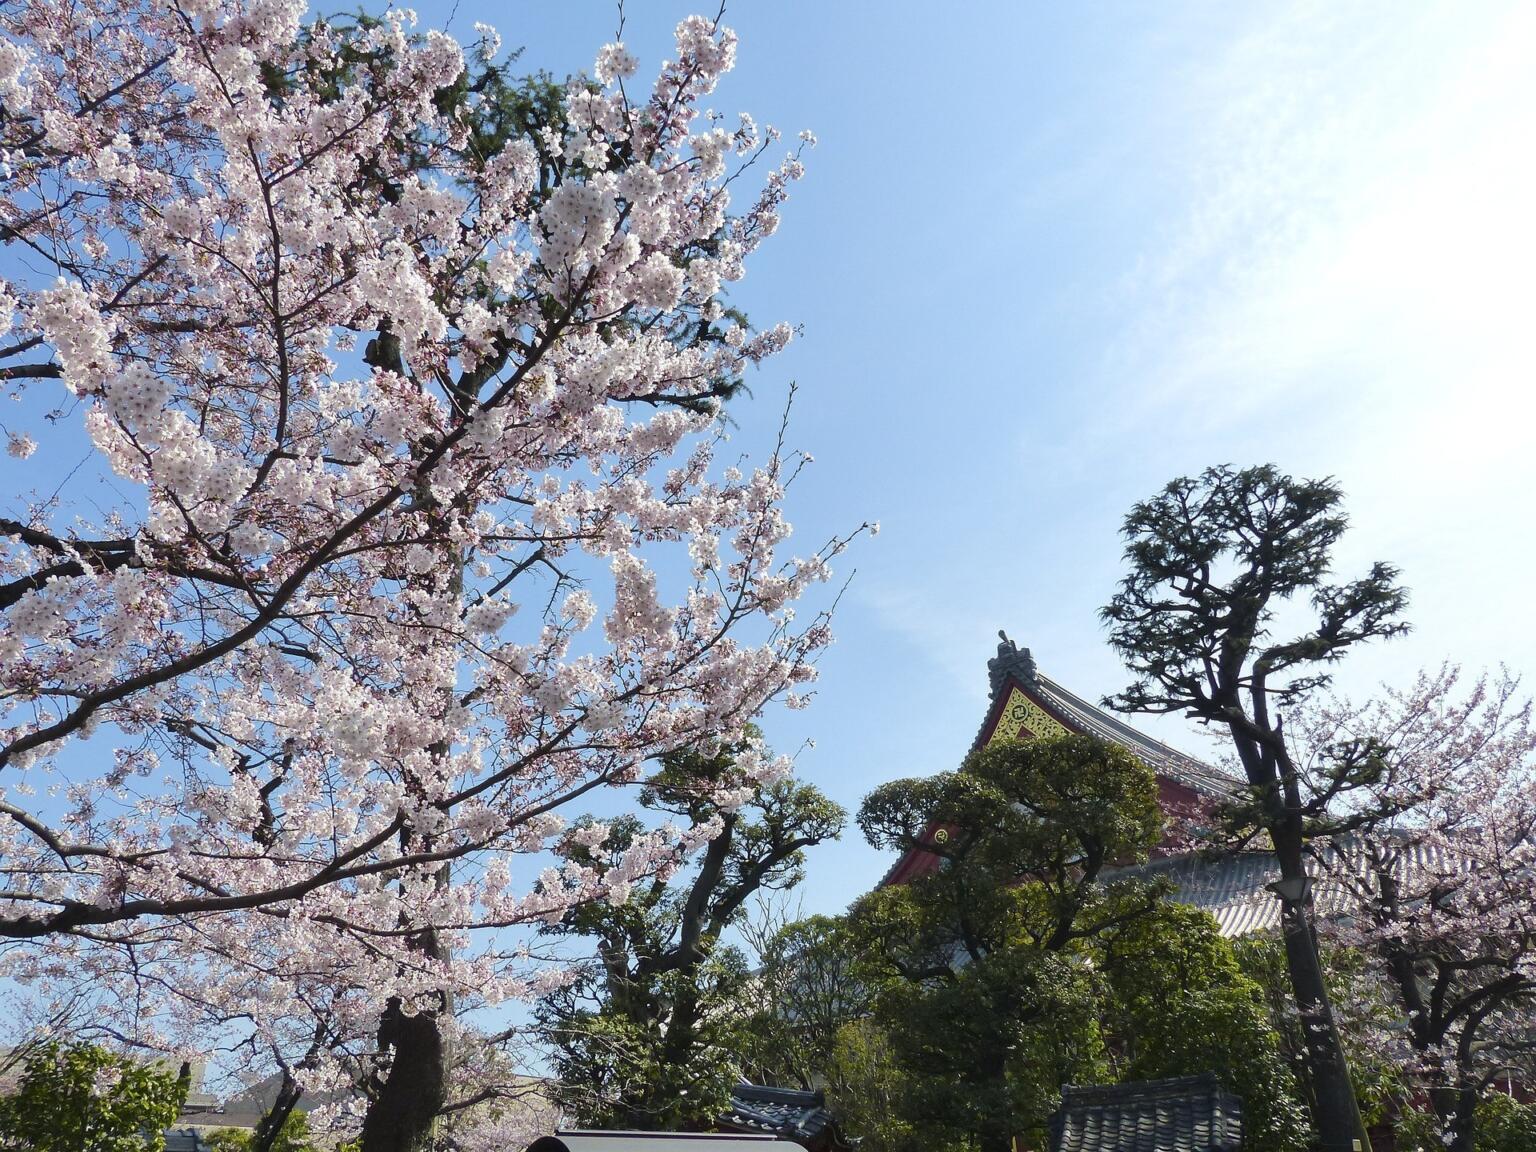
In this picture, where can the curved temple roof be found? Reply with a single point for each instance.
(1233, 888)
(1023, 702)
(1013, 668)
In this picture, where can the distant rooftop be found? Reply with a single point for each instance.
(787, 1113)
(1183, 1114)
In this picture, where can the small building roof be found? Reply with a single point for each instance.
(597, 1141)
(787, 1113)
(1182, 1114)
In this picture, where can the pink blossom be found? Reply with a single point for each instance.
(333, 642)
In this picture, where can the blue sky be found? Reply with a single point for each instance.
(1048, 257)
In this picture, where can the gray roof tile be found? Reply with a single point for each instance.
(1184, 1114)
(1233, 888)
(785, 1112)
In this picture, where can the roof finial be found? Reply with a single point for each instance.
(1010, 661)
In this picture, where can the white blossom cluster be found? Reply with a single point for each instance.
(411, 533)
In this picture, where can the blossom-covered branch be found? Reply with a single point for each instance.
(408, 375)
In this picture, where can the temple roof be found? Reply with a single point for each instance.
(1183, 1114)
(1235, 888)
(1162, 758)
(1026, 703)
(1016, 666)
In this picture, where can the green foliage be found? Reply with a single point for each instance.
(866, 1090)
(656, 1032)
(81, 1098)
(1211, 558)
(1053, 812)
(984, 997)
(1502, 1124)
(984, 1053)
(811, 983)
(293, 1136)
(615, 1052)
(1361, 1006)
(1180, 1004)
(1020, 806)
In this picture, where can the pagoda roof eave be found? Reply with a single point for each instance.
(1015, 670)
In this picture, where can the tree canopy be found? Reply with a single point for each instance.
(402, 377)
(655, 1032)
(83, 1098)
(986, 1006)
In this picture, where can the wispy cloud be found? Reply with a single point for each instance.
(1360, 229)
(1349, 289)
(944, 630)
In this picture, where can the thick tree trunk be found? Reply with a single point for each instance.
(271, 1125)
(1336, 1112)
(403, 1112)
(400, 1117)
(1455, 1108)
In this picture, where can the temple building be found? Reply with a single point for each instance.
(1025, 704)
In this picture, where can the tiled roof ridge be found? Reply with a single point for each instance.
(789, 1113)
(768, 1093)
(1176, 1114)
(1016, 666)
(1139, 1090)
(1181, 766)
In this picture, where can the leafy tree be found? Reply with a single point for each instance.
(985, 1053)
(988, 1006)
(867, 1089)
(812, 982)
(650, 1036)
(292, 1136)
(1179, 1003)
(1505, 1124)
(1212, 561)
(83, 1098)
(1363, 1009)
(1501, 1124)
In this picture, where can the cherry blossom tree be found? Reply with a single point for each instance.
(290, 719)
(1438, 878)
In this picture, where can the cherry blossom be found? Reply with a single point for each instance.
(1438, 866)
(421, 538)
